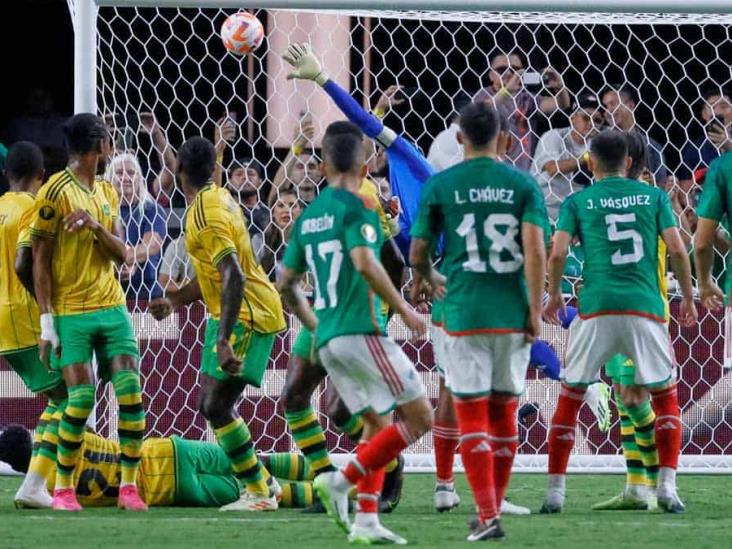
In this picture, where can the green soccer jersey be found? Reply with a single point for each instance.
(336, 222)
(619, 221)
(716, 199)
(479, 206)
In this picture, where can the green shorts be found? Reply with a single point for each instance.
(621, 370)
(27, 364)
(203, 475)
(303, 346)
(250, 346)
(107, 333)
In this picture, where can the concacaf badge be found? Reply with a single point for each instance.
(368, 232)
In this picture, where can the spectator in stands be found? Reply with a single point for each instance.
(560, 159)
(716, 116)
(301, 168)
(511, 98)
(3, 179)
(286, 208)
(245, 181)
(176, 269)
(145, 230)
(445, 150)
(620, 103)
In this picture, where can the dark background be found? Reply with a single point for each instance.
(666, 64)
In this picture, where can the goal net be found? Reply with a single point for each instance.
(171, 62)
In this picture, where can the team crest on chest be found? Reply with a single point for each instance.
(368, 232)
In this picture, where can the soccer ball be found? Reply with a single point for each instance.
(242, 33)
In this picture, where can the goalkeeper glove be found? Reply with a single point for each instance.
(306, 65)
(48, 330)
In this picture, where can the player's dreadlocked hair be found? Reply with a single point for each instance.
(16, 447)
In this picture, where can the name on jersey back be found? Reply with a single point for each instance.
(623, 202)
(486, 194)
(317, 224)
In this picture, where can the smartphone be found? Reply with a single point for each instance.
(531, 78)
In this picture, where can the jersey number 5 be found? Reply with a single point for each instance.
(625, 235)
(334, 249)
(500, 242)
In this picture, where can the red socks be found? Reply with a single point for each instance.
(369, 486)
(477, 455)
(504, 440)
(445, 439)
(380, 450)
(561, 432)
(668, 426)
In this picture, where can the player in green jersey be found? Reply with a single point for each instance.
(491, 218)
(337, 240)
(637, 418)
(621, 308)
(714, 205)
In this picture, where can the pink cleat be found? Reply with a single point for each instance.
(64, 499)
(129, 499)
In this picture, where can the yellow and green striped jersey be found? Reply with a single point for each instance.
(19, 314)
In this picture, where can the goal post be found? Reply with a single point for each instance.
(165, 57)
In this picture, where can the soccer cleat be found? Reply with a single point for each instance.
(275, 490)
(334, 498)
(30, 497)
(622, 502)
(670, 502)
(553, 502)
(597, 398)
(374, 534)
(508, 508)
(391, 492)
(487, 530)
(129, 499)
(255, 503)
(445, 497)
(64, 499)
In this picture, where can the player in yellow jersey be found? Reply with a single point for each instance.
(174, 471)
(77, 241)
(245, 314)
(19, 316)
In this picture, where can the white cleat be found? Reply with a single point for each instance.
(275, 490)
(252, 503)
(334, 497)
(374, 534)
(597, 398)
(508, 508)
(670, 501)
(445, 497)
(33, 494)
(553, 502)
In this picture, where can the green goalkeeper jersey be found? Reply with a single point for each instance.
(619, 222)
(335, 223)
(716, 199)
(478, 206)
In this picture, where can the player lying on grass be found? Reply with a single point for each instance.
(173, 471)
(621, 309)
(19, 345)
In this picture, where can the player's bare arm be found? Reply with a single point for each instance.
(161, 307)
(710, 294)
(43, 289)
(419, 257)
(366, 264)
(232, 293)
(532, 238)
(111, 243)
(682, 269)
(289, 287)
(24, 267)
(555, 269)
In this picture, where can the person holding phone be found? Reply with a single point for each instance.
(715, 116)
(509, 93)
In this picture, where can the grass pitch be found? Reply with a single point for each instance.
(707, 522)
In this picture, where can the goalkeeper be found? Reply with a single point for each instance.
(173, 471)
